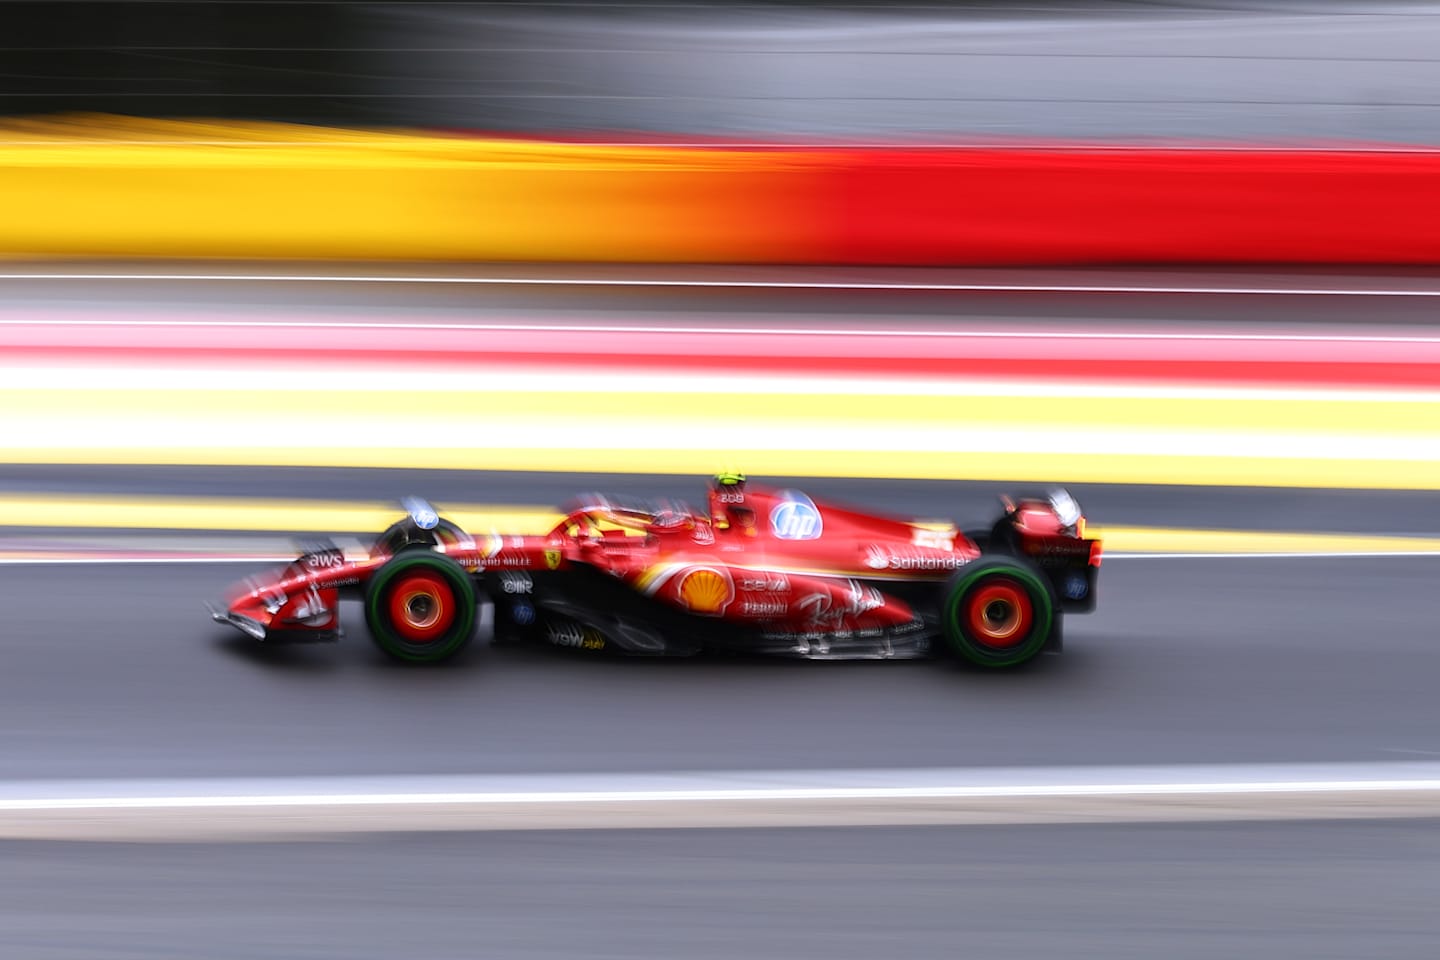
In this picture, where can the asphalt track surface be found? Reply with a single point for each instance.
(117, 672)
(1315, 890)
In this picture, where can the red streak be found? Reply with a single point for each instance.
(1057, 357)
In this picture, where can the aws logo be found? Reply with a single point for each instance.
(795, 517)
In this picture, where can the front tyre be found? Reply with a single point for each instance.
(997, 612)
(404, 534)
(421, 607)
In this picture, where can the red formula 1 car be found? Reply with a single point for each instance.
(762, 570)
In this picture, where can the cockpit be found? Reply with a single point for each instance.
(730, 508)
(602, 517)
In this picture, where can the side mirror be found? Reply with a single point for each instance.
(1067, 510)
(424, 515)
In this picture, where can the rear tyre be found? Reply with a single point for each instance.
(1056, 645)
(998, 612)
(421, 607)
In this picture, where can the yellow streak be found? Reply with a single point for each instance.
(190, 513)
(101, 186)
(337, 517)
(1003, 467)
(700, 412)
(88, 426)
(80, 426)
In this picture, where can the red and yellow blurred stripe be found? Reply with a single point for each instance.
(1308, 412)
(110, 187)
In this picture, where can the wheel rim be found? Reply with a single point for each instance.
(422, 607)
(999, 614)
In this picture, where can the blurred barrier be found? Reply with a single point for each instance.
(161, 189)
(867, 70)
(1235, 70)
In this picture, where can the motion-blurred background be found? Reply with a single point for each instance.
(269, 266)
(1230, 70)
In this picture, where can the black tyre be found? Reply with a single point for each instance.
(998, 612)
(421, 607)
(404, 534)
(1057, 636)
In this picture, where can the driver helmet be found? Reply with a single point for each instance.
(726, 480)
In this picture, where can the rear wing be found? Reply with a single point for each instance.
(1058, 501)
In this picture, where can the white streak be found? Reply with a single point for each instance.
(722, 330)
(403, 432)
(548, 381)
(737, 788)
(752, 284)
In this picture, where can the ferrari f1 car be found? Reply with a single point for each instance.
(761, 570)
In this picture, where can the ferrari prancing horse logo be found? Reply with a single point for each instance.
(552, 559)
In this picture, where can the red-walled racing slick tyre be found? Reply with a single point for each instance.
(998, 612)
(420, 606)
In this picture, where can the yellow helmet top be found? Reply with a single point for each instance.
(729, 478)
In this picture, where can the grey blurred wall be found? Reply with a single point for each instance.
(1174, 70)
(1224, 69)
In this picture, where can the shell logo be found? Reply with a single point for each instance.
(706, 591)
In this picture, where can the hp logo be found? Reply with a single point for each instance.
(795, 518)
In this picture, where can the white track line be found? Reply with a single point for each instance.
(726, 796)
(722, 330)
(732, 788)
(737, 284)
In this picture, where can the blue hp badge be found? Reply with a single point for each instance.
(795, 517)
(1076, 587)
(523, 613)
